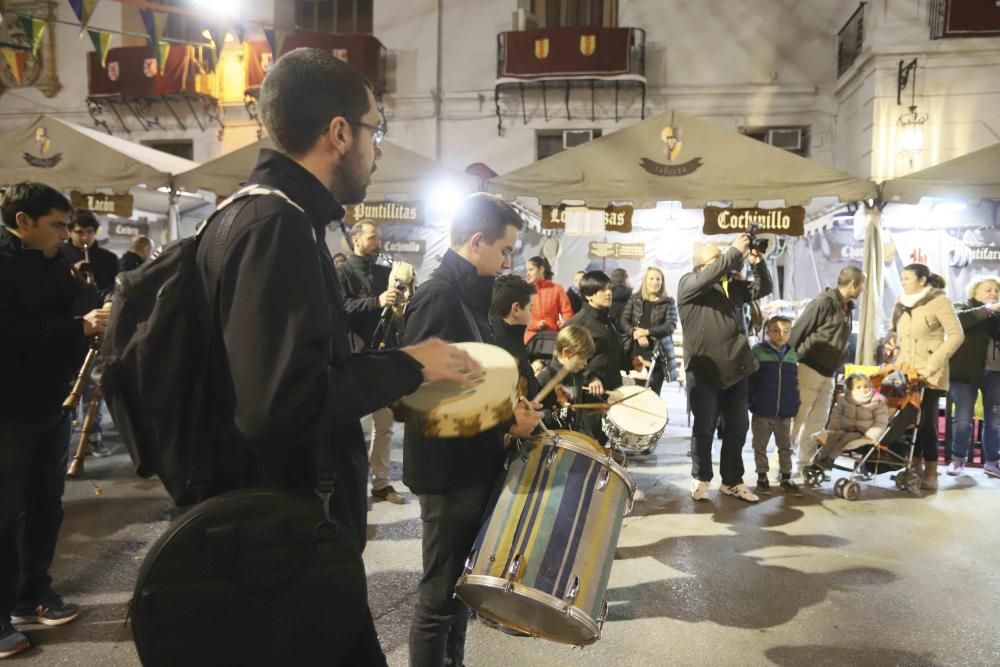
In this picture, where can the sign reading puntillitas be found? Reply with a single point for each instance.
(386, 212)
(782, 221)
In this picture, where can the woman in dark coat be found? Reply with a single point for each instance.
(648, 321)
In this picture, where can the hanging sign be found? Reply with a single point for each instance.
(616, 218)
(386, 212)
(602, 250)
(98, 202)
(782, 221)
(127, 228)
(405, 246)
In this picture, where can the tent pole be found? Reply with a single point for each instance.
(870, 317)
(173, 214)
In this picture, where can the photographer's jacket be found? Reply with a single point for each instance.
(716, 349)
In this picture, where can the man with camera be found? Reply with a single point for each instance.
(368, 300)
(718, 358)
(42, 345)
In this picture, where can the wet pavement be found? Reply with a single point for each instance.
(889, 579)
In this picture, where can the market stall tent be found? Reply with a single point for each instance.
(401, 172)
(69, 156)
(678, 157)
(970, 178)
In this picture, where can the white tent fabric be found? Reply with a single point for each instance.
(674, 156)
(970, 178)
(871, 303)
(67, 156)
(400, 172)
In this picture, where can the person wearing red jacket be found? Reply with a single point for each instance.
(550, 308)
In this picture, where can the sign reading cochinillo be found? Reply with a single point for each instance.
(386, 212)
(616, 218)
(782, 221)
(405, 246)
(127, 228)
(98, 202)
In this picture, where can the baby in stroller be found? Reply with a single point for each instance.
(859, 417)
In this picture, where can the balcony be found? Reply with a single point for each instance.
(850, 39)
(568, 58)
(364, 52)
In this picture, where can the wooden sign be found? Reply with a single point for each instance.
(781, 221)
(616, 218)
(99, 202)
(602, 250)
(386, 213)
(405, 246)
(127, 228)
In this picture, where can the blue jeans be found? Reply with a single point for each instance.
(963, 396)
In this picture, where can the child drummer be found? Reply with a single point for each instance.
(574, 348)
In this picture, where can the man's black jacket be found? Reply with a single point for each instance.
(129, 261)
(609, 354)
(716, 349)
(362, 281)
(103, 263)
(41, 336)
(279, 317)
(435, 465)
(511, 338)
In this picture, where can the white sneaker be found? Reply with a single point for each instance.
(740, 491)
(699, 490)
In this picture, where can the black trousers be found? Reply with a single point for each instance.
(927, 431)
(33, 459)
(708, 404)
(451, 521)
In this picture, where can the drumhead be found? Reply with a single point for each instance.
(641, 411)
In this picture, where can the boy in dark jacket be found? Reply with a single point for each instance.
(575, 347)
(774, 400)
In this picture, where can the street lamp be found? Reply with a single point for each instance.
(911, 124)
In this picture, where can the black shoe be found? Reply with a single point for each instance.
(390, 494)
(12, 641)
(51, 609)
(763, 486)
(790, 487)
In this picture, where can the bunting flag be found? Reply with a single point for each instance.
(83, 10)
(101, 40)
(33, 31)
(16, 60)
(218, 35)
(162, 51)
(154, 22)
(276, 39)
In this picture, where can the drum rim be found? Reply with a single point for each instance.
(578, 615)
(615, 467)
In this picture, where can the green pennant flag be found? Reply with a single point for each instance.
(162, 51)
(83, 10)
(33, 31)
(101, 40)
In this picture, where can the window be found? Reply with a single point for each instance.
(550, 142)
(180, 147)
(334, 16)
(794, 139)
(562, 13)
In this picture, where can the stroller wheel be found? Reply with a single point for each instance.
(838, 487)
(852, 490)
(812, 475)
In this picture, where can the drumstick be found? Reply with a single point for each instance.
(551, 384)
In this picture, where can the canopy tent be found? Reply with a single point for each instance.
(69, 156)
(972, 177)
(400, 172)
(677, 157)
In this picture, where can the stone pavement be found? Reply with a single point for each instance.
(886, 580)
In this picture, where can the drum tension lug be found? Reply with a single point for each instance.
(550, 458)
(470, 562)
(570, 597)
(604, 479)
(603, 616)
(512, 570)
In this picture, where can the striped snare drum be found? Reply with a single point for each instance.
(543, 557)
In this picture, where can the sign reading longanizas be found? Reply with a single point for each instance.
(616, 218)
(782, 221)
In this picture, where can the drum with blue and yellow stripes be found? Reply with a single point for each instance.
(542, 560)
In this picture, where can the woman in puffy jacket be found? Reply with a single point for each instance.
(550, 308)
(927, 335)
(649, 320)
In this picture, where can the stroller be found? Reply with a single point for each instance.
(891, 452)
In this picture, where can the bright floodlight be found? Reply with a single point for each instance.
(945, 206)
(443, 201)
(228, 7)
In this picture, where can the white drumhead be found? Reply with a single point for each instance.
(641, 411)
(499, 381)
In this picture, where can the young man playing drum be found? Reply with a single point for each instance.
(454, 478)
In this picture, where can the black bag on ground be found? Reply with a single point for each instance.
(253, 577)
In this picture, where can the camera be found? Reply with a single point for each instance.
(759, 245)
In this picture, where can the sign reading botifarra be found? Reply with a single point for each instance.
(672, 147)
(386, 212)
(782, 221)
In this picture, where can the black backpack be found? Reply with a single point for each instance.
(157, 353)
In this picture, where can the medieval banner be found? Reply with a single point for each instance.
(782, 221)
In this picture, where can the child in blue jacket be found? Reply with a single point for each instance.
(774, 400)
